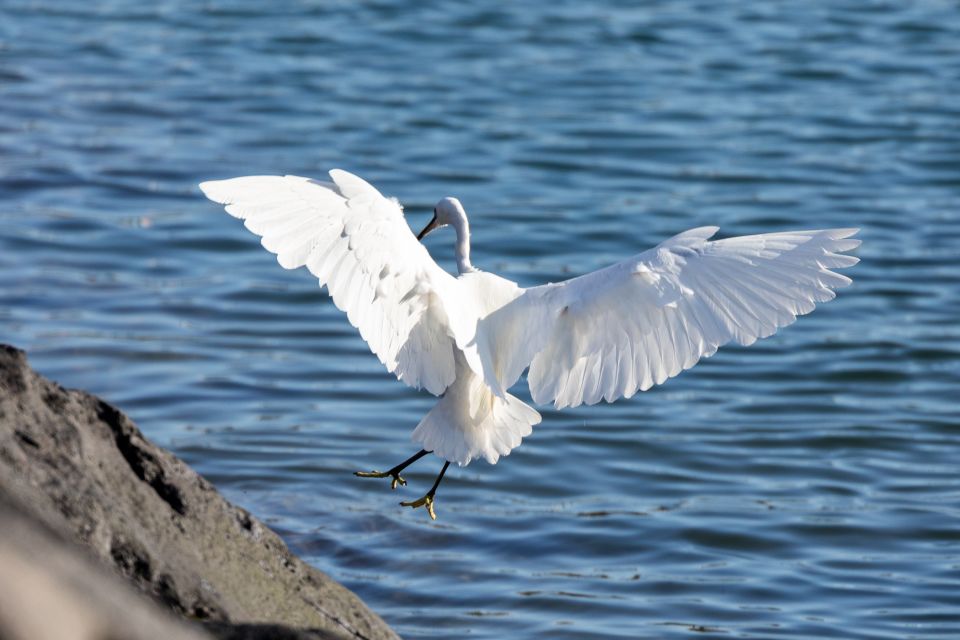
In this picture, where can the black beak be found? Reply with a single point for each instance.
(427, 229)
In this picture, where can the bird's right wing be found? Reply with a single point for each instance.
(359, 245)
(636, 323)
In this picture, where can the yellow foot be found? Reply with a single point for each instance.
(425, 501)
(383, 474)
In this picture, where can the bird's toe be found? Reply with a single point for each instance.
(425, 501)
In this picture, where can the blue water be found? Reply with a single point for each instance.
(804, 487)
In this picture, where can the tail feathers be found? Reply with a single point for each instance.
(496, 425)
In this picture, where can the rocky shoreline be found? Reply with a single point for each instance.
(105, 535)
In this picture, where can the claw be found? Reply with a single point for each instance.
(425, 501)
(397, 479)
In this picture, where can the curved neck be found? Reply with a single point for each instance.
(463, 245)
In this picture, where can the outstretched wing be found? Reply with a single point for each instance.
(612, 332)
(359, 245)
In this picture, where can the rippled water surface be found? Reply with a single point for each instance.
(804, 487)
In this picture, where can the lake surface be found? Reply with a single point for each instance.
(805, 487)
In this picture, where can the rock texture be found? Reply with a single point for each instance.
(77, 469)
(49, 588)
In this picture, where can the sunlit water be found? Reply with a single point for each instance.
(805, 487)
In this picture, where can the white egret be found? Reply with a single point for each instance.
(467, 339)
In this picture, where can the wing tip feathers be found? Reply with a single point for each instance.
(210, 188)
(840, 234)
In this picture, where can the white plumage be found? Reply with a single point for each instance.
(601, 336)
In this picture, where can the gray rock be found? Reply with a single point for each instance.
(84, 469)
(51, 589)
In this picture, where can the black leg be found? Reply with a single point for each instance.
(436, 483)
(395, 471)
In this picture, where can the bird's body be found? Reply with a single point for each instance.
(468, 339)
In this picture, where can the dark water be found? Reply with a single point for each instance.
(805, 487)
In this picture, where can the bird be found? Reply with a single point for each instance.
(468, 338)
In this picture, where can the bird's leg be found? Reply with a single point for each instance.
(394, 472)
(427, 500)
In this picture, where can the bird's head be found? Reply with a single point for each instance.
(447, 211)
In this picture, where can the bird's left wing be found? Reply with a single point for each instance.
(636, 323)
(359, 245)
